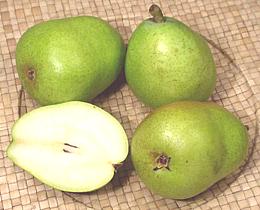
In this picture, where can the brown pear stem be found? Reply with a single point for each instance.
(117, 166)
(157, 14)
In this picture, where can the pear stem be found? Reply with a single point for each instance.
(117, 166)
(157, 14)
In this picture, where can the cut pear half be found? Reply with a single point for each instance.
(72, 146)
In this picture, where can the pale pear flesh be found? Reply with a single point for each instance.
(71, 146)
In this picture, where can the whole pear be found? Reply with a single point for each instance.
(69, 59)
(182, 149)
(167, 61)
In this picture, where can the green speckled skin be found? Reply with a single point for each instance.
(167, 62)
(74, 59)
(205, 143)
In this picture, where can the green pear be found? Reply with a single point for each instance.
(72, 146)
(182, 149)
(69, 59)
(166, 62)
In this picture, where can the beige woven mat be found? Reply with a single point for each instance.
(233, 26)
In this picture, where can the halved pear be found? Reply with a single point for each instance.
(73, 146)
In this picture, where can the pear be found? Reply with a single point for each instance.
(183, 148)
(75, 58)
(72, 146)
(166, 61)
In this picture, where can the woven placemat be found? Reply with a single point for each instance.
(232, 30)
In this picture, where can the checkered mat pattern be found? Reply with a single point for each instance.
(232, 28)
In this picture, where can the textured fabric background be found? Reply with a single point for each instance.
(232, 28)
